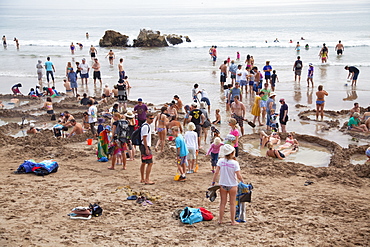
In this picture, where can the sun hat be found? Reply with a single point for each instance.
(130, 114)
(272, 94)
(228, 149)
(108, 128)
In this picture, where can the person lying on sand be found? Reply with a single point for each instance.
(354, 123)
(275, 153)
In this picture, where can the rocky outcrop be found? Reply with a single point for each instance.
(113, 38)
(174, 39)
(149, 38)
(187, 39)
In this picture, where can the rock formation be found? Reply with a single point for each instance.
(149, 38)
(113, 38)
(174, 39)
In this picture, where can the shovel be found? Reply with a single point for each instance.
(250, 123)
(23, 118)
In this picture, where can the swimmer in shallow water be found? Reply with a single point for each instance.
(274, 138)
(275, 153)
(289, 142)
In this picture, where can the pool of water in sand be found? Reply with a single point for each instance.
(308, 154)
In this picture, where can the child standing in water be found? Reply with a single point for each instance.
(214, 151)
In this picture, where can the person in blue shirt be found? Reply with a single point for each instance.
(72, 76)
(232, 69)
(267, 69)
(181, 152)
(50, 70)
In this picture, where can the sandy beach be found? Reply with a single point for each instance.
(333, 211)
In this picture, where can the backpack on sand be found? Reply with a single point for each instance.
(136, 135)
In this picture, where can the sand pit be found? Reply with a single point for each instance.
(283, 212)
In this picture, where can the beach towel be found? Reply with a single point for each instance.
(103, 145)
(244, 194)
(43, 168)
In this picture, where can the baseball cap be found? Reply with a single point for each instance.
(310, 64)
(282, 100)
(140, 99)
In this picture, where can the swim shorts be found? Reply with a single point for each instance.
(223, 77)
(205, 100)
(263, 103)
(320, 102)
(267, 77)
(97, 75)
(92, 54)
(339, 52)
(85, 75)
(243, 83)
(148, 159)
(232, 76)
(238, 119)
(298, 72)
(251, 83)
(355, 76)
(214, 58)
(198, 129)
(73, 85)
(182, 160)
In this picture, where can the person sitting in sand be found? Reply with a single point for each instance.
(355, 125)
(274, 138)
(274, 153)
(107, 91)
(115, 91)
(365, 117)
(218, 117)
(171, 110)
(66, 119)
(172, 123)
(67, 86)
(32, 129)
(77, 128)
(289, 142)
(356, 108)
(59, 130)
(15, 89)
(178, 104)
(85, 120)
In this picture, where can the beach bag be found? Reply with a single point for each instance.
(207, 215)
(245, 192)
(122, 131)
(136, 136)
(191, 215)
(96, 210)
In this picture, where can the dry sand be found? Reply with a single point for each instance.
(333, 211)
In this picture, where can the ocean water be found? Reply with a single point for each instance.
(156, 74)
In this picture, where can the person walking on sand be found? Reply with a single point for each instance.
(320, 102)
(310, 75)
(256, 109)
(297, 68)
(146, 153)
(352, 74)
(84, 71)
(72, 77)
(238, 112)
(283, 116)
(50, 70)
(121, 71)
(228, 170)
(339, 48)
(93, 52)
(191, 140)
(111, 57)
(223, 74)
(141, 110)
(96, 68)
(93, 116)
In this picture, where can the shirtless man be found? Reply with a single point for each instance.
(223, 75)
(93, 52)
(107, 91)
(67, 85)
(356, 108)
(111, 57)
(16, 42)
(77, 128)
(96, 68)
(339, 48)
(178, 104)
(67, 118)
(238, 112)
(121, 71)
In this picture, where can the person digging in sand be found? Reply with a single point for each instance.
(229, 170)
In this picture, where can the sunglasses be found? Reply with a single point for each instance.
(151, 118)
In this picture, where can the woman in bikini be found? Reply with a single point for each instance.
(320, 102)
(289, 142)
(160, 125)
(274, 153)
(229, 170)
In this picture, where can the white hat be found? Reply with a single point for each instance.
(227, 149)
(130, 114)
(310, 64)
(272, 94)
(32, 125)
(106, 85)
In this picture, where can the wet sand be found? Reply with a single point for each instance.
(284, 212)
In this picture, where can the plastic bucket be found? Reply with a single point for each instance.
(89, 141)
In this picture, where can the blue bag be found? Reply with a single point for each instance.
(191, 215)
